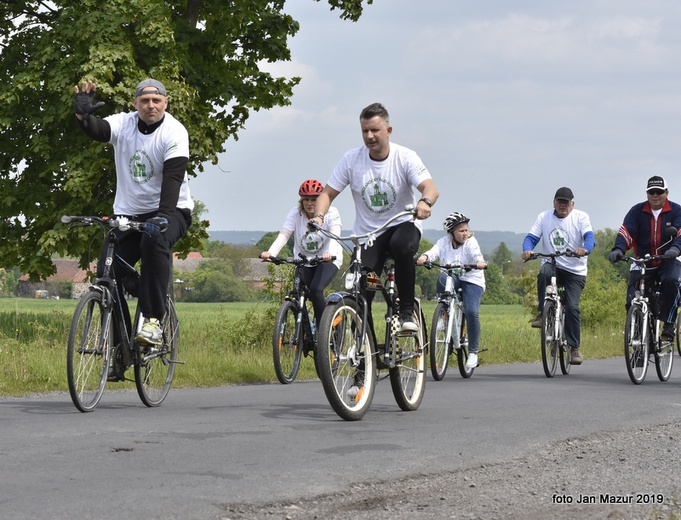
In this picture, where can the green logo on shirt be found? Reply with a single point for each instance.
(379, 195)
(141, 167)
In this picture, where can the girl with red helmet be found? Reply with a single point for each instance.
(311, 243)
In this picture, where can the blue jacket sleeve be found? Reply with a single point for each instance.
(589, 241)
(530, 242)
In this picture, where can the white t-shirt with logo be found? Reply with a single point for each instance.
(313, 243)
(560, 234)
(380, 189)
(139, 162)
(467, 253)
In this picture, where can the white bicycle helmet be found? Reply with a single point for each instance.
(453, 220)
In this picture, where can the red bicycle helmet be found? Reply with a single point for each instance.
(310, 188)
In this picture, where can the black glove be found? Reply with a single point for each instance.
(83, 103)
(615, 256)
(156, 225)
(672, 252)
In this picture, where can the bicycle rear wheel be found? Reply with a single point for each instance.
(89, 351)
(155, 364)
(664, 359)
(549, 345)
(635, 345)
(462, 353)
(439, 347)
(408, 375)
(346, 362)
(287, 344)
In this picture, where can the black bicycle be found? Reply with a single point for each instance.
(348, 358)
(643, 329)
(101, 345)
(448, 328)
(294, 334)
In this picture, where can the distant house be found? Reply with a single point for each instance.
(257, 274)
(70, 281)
(188, 264)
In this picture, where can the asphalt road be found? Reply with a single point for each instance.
(204, 449)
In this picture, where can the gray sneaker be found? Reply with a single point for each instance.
(151, 332)
(576, 356)
(536, 322)
(407, 323)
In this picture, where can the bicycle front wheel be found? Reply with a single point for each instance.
(462, 353)
(287, 345)
(89, 351)
(549, 345)
(635, 345)
(345, 360)
(408, 375)
(155, 364)
(664, 359)
(439, 346)
(565, 359)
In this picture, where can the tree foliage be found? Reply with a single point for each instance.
(208, 53)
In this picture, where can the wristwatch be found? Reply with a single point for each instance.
(427, 201)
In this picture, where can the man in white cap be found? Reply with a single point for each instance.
(151, 150)
(561, 229)
(646, 229)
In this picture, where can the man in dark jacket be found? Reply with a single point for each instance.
(646, 229)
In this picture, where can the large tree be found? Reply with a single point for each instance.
(207, 53)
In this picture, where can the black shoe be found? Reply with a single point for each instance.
(114, 375)
(668, 332)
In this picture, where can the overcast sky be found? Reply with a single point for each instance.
(504, 100)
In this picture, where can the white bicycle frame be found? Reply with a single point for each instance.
(552, 295)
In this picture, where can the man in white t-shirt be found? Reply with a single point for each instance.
(560, 229)
(382, 177)
(151, 151)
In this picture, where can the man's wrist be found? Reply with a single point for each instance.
(427, 201)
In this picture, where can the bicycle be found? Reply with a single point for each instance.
(448, 328)
(553, 341)
(294, 334)
(642, 332)
(348, 358)
(101, 345)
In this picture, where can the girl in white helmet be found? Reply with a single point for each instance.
(459, 246)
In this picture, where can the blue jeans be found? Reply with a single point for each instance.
(471, 294)
(573, 285)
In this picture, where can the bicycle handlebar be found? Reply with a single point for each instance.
(554, 255)
(120, 222)
(456, 265)
(644, 259)
(371, 235)
(303, 260)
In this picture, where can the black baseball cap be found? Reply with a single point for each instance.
(656, 183)
(564, 194)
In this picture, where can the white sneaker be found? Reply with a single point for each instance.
(472, 361)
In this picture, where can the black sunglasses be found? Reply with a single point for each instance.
(656, 192)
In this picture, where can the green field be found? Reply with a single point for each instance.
(230, 343)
